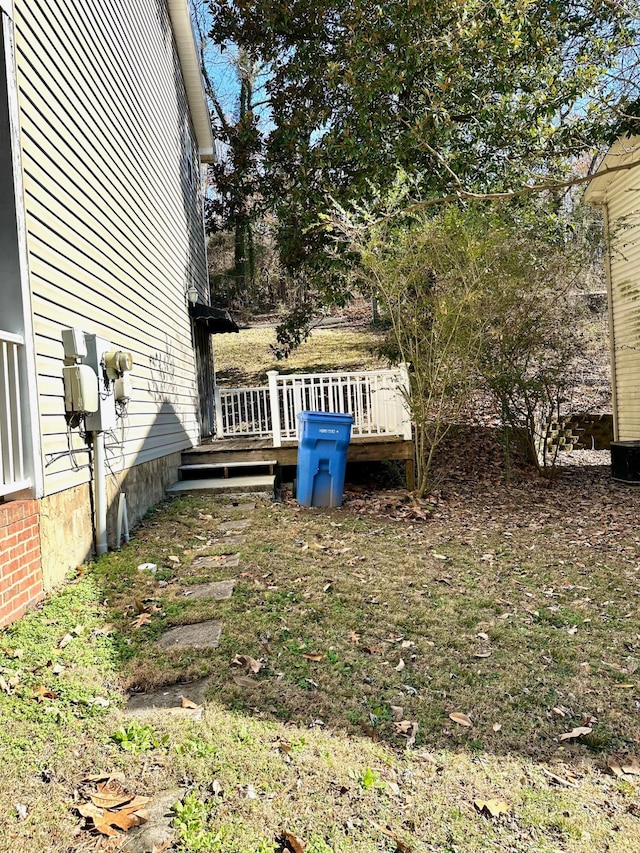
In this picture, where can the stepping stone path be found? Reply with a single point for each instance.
(243, 507)
(201, 635)
(233, 541)
(170, 699)
(230, 561)
(240, 524)
(216, 590)
(155, 832)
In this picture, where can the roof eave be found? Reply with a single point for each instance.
(625, 151)
(185, 40)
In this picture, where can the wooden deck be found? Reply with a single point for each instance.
(361, 449)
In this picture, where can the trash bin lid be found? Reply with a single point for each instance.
(333, 417)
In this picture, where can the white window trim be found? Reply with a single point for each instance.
(30, 395)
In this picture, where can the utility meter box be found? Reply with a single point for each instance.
(80, 389)
(75, 346)
(122, 388)
(104, 418)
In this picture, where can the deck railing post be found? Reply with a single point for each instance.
(405, 389)
(217, 398)
(274, 403)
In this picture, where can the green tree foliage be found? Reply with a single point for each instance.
(469, 95)
(479, 298)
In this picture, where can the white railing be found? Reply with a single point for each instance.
(13, 477)
(378, 401)
(242, 411)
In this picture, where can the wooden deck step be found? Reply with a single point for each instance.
(194, 471)
(263, 483)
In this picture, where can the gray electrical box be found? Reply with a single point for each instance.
(74, 343)
(105, 417)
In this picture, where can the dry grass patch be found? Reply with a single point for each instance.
(244, 359)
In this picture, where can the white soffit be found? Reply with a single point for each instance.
(624, 151)
(190, 64)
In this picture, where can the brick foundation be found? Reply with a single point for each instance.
(20, 561)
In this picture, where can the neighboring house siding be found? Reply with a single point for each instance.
(114, 230)
(623, 215)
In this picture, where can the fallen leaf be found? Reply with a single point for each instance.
(572, 630)
(160, 848)
(397, 712)
(21, 811)
(188, 703)
(401, 846)
(105, 777)
(216, 788)
(58, 669)
(173, 558)
(120, 819)
(294, 844)
(142, 619)
(247, 662)
(631, 766)
(17, 653)
(439, 556)
(558, 779)
(245, 681)
(314, 656)
(65, 641)
(4, 686)
(41, 693)
(407, 729)
(110, 795)
(492, 807)
(460, 719)
(400, 666)
(412, 736)
(615, 768)
(100, 701)
(89, 810)
(577, 732)
(496, 727)
(355, 638)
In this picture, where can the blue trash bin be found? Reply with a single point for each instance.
(322, 457)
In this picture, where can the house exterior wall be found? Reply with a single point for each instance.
(114, 238)
(619, 195)
(20, 575)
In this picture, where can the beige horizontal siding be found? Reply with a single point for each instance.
(114, 223)
(623, 205)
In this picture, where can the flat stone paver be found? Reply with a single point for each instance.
(240, 524)
(201, 635)
(249, 507)
(231, 541)
(169, 698)
(213, 561)
(217, 590)
(155, 832)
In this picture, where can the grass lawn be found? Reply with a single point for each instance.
(514, 609)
